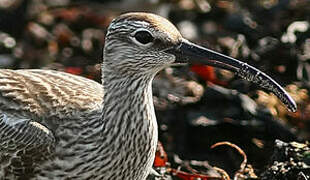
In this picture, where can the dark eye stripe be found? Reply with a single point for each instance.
(144, 37)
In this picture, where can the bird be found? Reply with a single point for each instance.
(55, 125)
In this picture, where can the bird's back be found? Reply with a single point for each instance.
(46, 118)
(47, 93)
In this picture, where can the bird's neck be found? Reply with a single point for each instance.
(129, 123)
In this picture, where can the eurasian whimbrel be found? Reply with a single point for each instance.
(55, 125)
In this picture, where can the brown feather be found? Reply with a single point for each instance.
(158, 23)
(46, 93)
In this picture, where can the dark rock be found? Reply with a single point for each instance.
(290, 161)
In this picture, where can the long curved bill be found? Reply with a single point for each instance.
(187, 52)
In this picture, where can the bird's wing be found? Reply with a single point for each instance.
(18, 132)
(30, 101)
(23, 143)
(44, 94)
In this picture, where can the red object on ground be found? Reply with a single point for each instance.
(161, 157)
(74, 70)
(207, 73)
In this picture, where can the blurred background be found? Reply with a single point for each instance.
(196, 106)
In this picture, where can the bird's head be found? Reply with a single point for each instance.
(145, 43)
(137, 42)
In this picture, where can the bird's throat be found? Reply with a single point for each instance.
(129, 122)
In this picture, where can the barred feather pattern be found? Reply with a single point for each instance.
(106, 132)
(46, 93)
(111, 139)
(129, 126)
(128, 112)
(68, 106)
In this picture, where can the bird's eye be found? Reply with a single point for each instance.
(144, 37)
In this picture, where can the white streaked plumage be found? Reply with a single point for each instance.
(70, 128)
